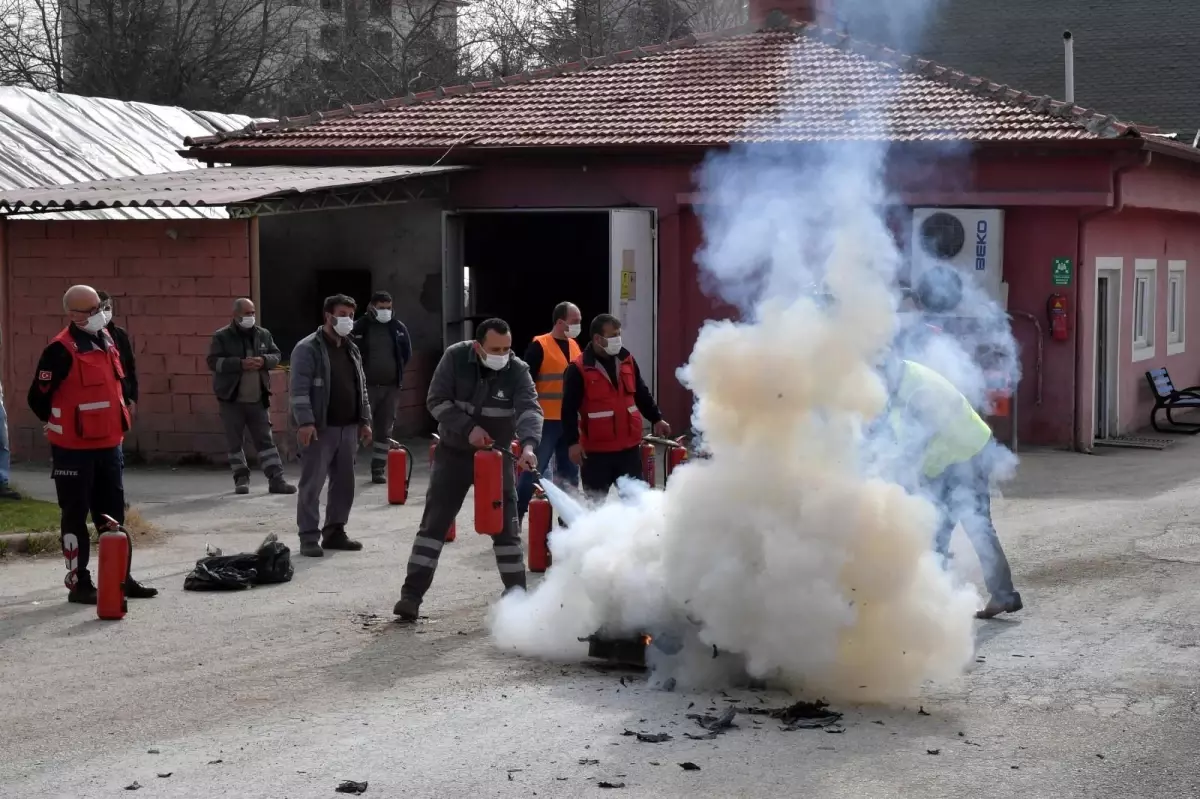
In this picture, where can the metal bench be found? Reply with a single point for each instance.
(1168, 398)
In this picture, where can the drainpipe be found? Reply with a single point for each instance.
(1118, 205)
(1069, 52)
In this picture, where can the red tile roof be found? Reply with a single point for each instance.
(783, 83)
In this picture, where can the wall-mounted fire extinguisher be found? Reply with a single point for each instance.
(540, 522)
(114, 565)
(649, 463)
(399, 472)
(489, 492)
(452, 533)
(1056, 310)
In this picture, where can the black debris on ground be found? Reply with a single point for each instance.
(933, 751)
(1100, 756)
(215, 762)
(350, 786)
(152, 751)
(133, 786)
(649, 737)
(715, 725)
(610, 784)
(921, 711)
(972, 743)
(669, 684)
(165, 774)
(835, 730)
(583, 761)
(798, 716)
(689, 766)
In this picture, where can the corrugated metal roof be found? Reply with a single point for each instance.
(207, 188)
(48, 139)
(794, 83)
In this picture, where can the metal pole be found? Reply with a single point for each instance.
(1069, 50)
(1015, 403)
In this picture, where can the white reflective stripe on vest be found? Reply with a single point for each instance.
(600, 415)
(56, 412)
(633, 409)
(94, 406)
(57, 428)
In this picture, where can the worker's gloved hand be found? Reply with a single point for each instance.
(662, 429)
(528, 460)
(479, 438)
(575, 453)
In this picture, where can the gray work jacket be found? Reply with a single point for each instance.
(465, 393)
(309, 382)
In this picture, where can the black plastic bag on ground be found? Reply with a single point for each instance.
(272, 563)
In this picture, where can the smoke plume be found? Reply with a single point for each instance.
(802, 545)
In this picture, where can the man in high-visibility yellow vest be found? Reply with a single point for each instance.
(936, 427)
(548, 357)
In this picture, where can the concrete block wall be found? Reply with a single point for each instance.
(172, 282)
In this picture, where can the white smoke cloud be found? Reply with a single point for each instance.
(799, 546)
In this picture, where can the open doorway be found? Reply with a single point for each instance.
(523, 264)
(1107, 363)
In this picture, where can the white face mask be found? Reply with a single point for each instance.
(383, 314)
(95, 322)
(573, 331)
(613, 346)
(246, 321)
(342, 325)
(496, 362)
(107, 312)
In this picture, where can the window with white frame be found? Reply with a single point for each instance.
(1145, 283)
(1176, 307)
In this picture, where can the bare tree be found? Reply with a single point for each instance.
(214, 54)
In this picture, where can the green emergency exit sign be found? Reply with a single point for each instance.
(1061, 273)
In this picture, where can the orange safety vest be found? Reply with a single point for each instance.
(609, 420)
(550, 376)
(88, 410)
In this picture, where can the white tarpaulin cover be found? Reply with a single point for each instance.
(48, 139)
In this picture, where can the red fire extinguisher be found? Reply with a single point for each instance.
(1057, 309)
(399, 473)
(649, 464)
(489, 492)
(114, 564)
(540, 522)
(452, 533)
(676, 457)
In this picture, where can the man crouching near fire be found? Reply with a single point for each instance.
(79, 394)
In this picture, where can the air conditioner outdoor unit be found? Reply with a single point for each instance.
(971, 240)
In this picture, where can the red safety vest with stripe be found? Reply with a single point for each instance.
(609, 420)
(88, 409)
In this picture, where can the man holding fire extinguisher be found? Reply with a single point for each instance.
(480, 396)
(79, 396)
(604, 401)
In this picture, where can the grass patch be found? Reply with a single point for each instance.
(42, 529)
(28, 516)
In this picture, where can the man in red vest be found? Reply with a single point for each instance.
(79, 394)
(604, 402)
(548, 357)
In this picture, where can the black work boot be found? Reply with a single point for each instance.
(407, 609)
(135, 590)
(278, 485)
(998, 605)
(379, 476)
(84, 591)
(311, 548)
(335, 538)
(241, 484)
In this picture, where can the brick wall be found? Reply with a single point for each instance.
(172, 283)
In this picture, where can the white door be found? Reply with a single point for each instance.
(454, 300)
(633, 285)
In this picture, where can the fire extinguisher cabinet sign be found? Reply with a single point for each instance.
(1060, 274)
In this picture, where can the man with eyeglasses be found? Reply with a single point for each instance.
(79, 395)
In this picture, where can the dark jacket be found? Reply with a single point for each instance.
(400, 339)
(225, 354)
(573, 387)
(310, 381)
(464, 393)
(125, 348)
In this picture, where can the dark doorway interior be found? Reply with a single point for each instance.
(354, 282)
(522, 264)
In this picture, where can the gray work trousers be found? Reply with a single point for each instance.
(452, 476)
(383, 401)
(331, 455)
(237, 418)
